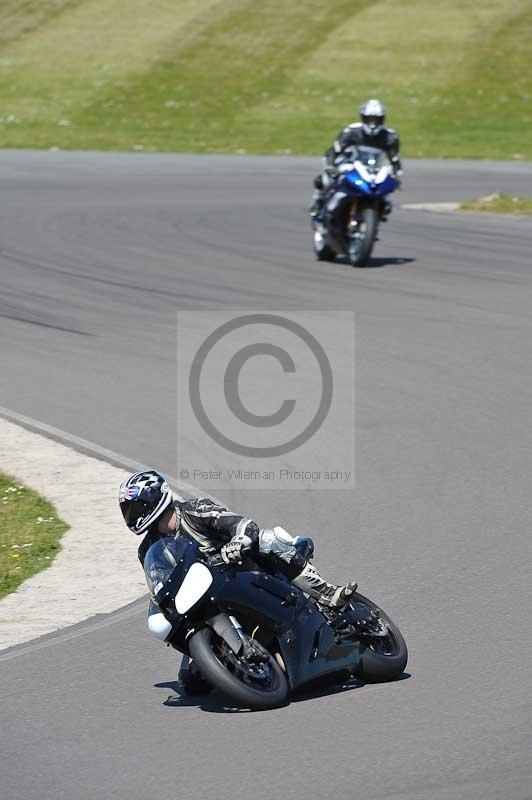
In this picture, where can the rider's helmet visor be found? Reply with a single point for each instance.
(134, 512)
(373, 121)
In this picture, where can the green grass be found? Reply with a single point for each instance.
(500, 204)
(275, 77)
(30, 532)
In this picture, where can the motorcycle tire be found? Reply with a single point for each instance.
(220, 677)
(391, 661)
(360, 247)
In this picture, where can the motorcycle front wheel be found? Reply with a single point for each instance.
(256, 685)
(361, 242)
(382, 658)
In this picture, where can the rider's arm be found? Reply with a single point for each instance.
(393, 151)
(336, 148)
(216, 522)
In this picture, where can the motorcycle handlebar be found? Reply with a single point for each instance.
(216, 559)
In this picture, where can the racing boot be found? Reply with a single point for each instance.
(310, 581)
(191, 680)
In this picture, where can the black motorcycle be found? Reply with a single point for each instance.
(256, 637)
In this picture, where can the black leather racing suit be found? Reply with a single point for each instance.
(212, 525)
(353, 135)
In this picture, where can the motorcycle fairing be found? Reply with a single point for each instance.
(271, 601)
(186, 555)
(355, 184)
(310, 650)
(388, 186)
(306, 642)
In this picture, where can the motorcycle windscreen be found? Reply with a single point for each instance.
(160, 561)
(372, 158)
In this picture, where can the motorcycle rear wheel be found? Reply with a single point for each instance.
(361, 244)
(381, 659)
(217, 670)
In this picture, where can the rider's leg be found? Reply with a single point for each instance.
(386, 207)
(190, 679)
(310, 581)
(295, 563)
(318, 197)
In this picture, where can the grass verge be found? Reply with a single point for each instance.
(241, 76)
(30, 533)
(500, 204)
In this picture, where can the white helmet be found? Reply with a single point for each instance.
(372, 116)
(143, 498)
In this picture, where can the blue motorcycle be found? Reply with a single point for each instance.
(253, 635)
(355, 204)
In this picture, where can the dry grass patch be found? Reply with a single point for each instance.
(500, 204)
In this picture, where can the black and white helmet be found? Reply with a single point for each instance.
(143, 498)
(372, 116)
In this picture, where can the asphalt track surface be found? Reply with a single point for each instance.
(96, 253)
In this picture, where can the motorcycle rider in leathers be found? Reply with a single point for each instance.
(148, 508)
(369, 132)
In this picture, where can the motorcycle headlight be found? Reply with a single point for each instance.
(196, 582)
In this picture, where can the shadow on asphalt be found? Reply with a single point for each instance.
(337, 688)
(216, 703)
(375, 263)
(386, 262)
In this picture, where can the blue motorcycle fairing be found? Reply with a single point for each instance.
(355, 184)
(273, 602)
(310, 650)
(305, 639)
(389, 185)
(184, 553)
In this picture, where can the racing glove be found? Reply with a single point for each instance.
(232, 551)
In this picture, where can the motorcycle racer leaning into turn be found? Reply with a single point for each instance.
(369, 132)
(149, 508)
